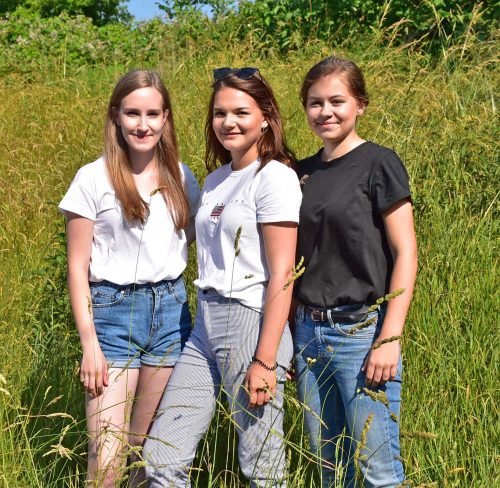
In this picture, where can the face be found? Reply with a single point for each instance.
(332, 109)
(141, 118)
(238, 122)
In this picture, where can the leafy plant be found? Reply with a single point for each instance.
(100, 11)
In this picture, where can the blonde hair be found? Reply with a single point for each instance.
(166, 153)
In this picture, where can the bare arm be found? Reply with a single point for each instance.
(280, 240)
(93, 372)
(190, 231)
(381, 364)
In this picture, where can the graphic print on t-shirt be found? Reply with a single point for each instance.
(216, 212)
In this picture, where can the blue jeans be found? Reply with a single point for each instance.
(141, 324)
(328, 361)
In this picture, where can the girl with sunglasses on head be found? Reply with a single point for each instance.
(357, 237)
(128, 216)
(246, 236)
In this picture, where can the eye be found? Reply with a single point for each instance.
(154, 114)
(314, 103)
(131, 113)
(219, 113)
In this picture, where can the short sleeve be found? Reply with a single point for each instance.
(80, 198)
(278, 197)
(193, 190)
(389, 183)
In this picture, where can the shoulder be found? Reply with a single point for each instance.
(185, 171)
(380, 155)
(276, 169)
(278, 194)
(187, 175)
(276, 180)
(192, 187)
(218, 175)
(308, 165)
(92, 171)
(388, 180)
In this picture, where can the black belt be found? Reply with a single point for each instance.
(343, 316)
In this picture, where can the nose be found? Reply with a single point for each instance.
(228, 121)
(326, 109)
(142, 123)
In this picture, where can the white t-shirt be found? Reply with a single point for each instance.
(245, 198)
(125, 253)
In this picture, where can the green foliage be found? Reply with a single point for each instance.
(100, 11)
(35, 40)
(287, 24)
(176, 9)
(32, 44)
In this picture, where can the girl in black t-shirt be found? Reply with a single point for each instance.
(357, 238)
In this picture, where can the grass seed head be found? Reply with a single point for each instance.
(376, 396)
(157, 190)
(378, 344)
(237, 240)
(362, 325)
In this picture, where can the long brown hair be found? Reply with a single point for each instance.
(350, 72)
(166, 153)
(271, 144)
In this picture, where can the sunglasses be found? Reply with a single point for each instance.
(241, 73)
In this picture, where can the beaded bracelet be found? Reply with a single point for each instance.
(264, 365)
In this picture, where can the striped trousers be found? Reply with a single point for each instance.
(214, 361)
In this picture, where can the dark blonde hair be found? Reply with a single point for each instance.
(166, 153)
(271, 144)
(332, 65)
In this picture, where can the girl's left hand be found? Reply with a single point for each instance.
(381, 365)
(260, 385)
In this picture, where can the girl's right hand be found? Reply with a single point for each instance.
(94, 371)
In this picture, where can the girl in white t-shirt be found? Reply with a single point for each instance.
(246, 235)
(129, 217)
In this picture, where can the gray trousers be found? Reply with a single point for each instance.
(214, 361)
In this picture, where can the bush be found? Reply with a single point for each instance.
(32, 44)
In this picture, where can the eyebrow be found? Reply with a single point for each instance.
(336, 95)
(234, 110)
(132, 107)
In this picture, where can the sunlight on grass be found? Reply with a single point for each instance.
(439, 115)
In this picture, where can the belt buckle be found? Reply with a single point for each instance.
(318, 315)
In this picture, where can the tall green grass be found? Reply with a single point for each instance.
(439, 114)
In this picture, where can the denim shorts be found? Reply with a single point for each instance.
(145, 324)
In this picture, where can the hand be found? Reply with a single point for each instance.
(260, 385)
(381, 365)
(94, 371)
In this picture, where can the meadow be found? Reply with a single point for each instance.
(438, 112)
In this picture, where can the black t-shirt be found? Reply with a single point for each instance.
(341, 232)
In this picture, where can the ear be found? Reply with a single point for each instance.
(164, 118)
(361, 109)
(265, 124)
(114, 113)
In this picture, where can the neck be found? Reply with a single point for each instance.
(336, 149)
(141, 162)
(242, 160)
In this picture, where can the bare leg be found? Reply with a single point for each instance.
(108, 419)
(150, 388)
